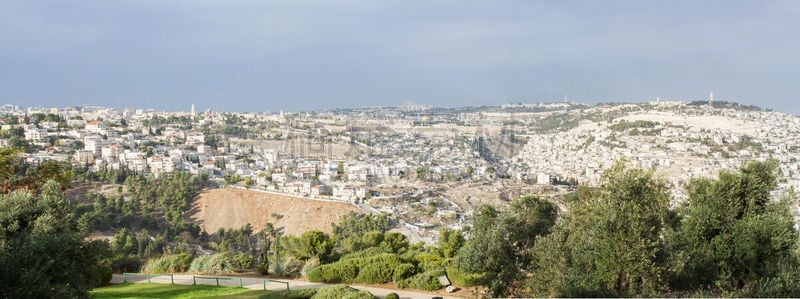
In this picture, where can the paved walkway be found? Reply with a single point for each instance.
(258, 284)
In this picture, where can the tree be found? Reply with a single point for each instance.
(310, 244)
(394, 242)
(500, 242)
(450, 241)
(732, 233)
(609, 243)
(42, 252)
(350, 231)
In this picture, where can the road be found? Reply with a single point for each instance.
(258, 284)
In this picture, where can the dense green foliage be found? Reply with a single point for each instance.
(168, 263)
(609, 244)
(351, 232)
(557, 122)
(500, 242)
(221, 263)
(15, 174)
(42, 252)
(732, 233)
(622, 239)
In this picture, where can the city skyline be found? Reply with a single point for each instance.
(300, 56)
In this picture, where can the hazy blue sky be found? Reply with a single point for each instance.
(301, 55)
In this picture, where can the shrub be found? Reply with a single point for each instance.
(369, 252)
(168, 263)
(375, 273)
(219, 263)
(310, 265)
(105, 274)
(428, 281)
(262, 269)
(341, 292)
(377, 269)
(462, 279)
(293, 267)
(242, 261)
(403, 271)
(428, 262)
(334, 273)
(392, 296)
(279, 267)
(122, 263)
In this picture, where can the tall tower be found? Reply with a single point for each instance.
(711, 98)
(194, 112)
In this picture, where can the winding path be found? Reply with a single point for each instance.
(258, 284)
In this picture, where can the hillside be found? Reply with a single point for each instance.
(233, 208)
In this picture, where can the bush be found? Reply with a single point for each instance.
(428, 281)
(242, 261)
(122, 263)
(341, 292)
(428, 262)
(784, 283)
(403, 271)
(369, 252)
(105, 274)
(219, 263)
(169, 263)
(376, 269)
(462, 279)
(392, 296)
(293, 267)
(279, 267)
(375, 273)
(334, 273)
(262, 269)
(310, 265)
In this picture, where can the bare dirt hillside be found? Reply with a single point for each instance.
(233, 208)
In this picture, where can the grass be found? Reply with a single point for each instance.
(143, 290)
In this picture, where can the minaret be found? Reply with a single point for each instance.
(193, 112)
(711, 98)
(566, 99)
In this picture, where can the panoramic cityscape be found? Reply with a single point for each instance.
(399, 149)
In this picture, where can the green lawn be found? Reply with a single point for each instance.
(157, 290)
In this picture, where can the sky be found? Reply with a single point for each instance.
(304, 55)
